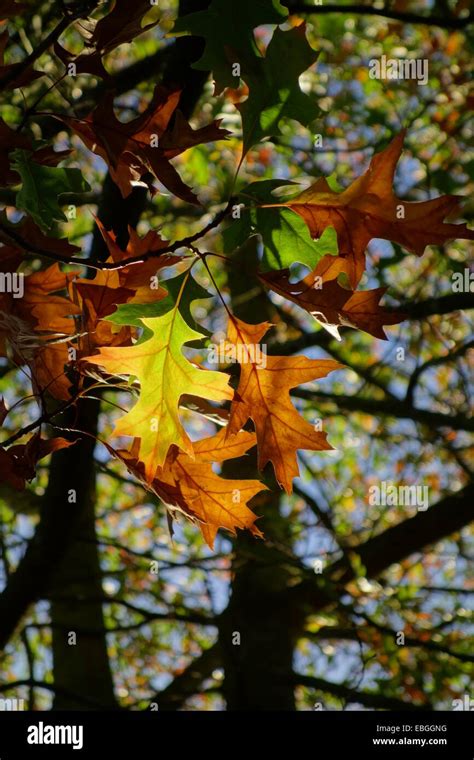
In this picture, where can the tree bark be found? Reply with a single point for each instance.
(80, 662)
(256, 634)
(84, 668)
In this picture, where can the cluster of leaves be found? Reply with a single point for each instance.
(130, 326)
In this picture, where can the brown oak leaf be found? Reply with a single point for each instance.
(146, 144)
(333, 306)
(18, 462)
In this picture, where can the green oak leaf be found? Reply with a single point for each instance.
(165, 375)
(42, 188)
(285, 235)
(274, 90)
(287, 241)
(264, 190)
(227, 27)
(184, 287)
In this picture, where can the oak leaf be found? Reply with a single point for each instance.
(100, 297)
(284, 234)
(228, 30)
(136, 277)
(191, 487)
(164, 375)
(145, 144)
(369, 209)
(332, 305)
(215, 502)
(263, 396)
(33, 325)
(42, 188)
(274, 91)
(122, 24)
(18, 462)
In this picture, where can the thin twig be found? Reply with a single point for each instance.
(113, 266)
(46, 417)
(20, 69)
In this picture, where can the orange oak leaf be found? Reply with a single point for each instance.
(98, 302)
(48, 370)
(51, 313)
(191, 487)
(146, 144)
(53, 318)
(36, 328)
(137, 277)
(263, 396)
(369, 209)
(213, 501)
(332, 305)
(221, 446)
(216, 502)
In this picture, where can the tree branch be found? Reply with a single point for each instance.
(440, 305)
(18, 69)
(112, 266)
(389, 407)
(411, 641)
(89, 701)
(336, 633)
(448, 516)
(377, 554)
(149, 616)
(445, 22)
(434, 362)
(413, 311)
(366, 698)
(189, 681)
(46, 417)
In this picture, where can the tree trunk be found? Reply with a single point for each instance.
(81, 665)
(257, 633)
(83, 668)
